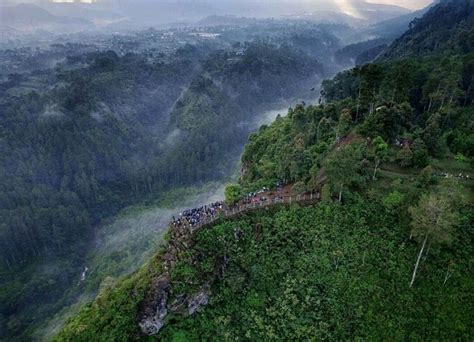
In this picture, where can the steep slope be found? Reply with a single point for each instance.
(331, 272)
(100, 132)
(394, 27)
(446, 28)
(377, 38)
(390, 151)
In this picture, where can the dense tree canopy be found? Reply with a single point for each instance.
(103, 131)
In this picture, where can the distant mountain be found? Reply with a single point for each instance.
(28, 17)
(99, 14)
(394, 27)
(354, 12)
(150, 13)
(225, 20)
(349, 54)
(448, 26)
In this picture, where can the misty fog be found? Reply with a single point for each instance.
(120, 114)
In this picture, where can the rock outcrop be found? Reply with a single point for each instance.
(158, 303)
(161, 300)
(155, 311)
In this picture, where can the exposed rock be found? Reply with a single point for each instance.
(179, 305)
(153, 316)
(198, 300)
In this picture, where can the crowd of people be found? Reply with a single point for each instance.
(448, 175)
(253, 197)
(194, 218)
(197, 216)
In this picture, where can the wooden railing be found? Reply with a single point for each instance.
(237, 209)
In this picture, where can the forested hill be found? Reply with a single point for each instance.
(102, 131)
(386, 255)
(446, 27)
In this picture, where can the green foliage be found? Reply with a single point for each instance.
(233, 192)
(301, 273)
(405, 157)
(433, 218)
(344, 167)
(299, 188)
(101, 132)
(446, 27)
(420, 153)
(393, 201)
(380, 150)
(331, 272)
(414, 105)
(427, 175)
(380, 147)
(112, 315)
(386, 122)
(344, 123)
(326, 193)
(460, 157)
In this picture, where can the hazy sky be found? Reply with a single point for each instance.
(411, 4)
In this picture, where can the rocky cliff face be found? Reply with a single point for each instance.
(160, 300)
(155, 310)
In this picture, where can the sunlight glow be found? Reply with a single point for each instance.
(73, 1)
(410, 4)
(346, 7)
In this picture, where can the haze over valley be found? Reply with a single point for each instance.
(118, 116)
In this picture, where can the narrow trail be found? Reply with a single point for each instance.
(262, 199)
(158, 302)
(242, 208)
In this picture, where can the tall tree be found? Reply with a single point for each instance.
(344, 165)
(432, 222)
(380, 153)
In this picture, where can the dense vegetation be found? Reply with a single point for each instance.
(360, 53)
(103, 131)
(446, 27)
(388, 252)
(328, 272)
(421, 105)
(331, 271)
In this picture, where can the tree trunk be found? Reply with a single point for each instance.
(427, 252)
(377, 162)
(418, 260)
(340, 193)
(358, 103)
(431, 102)
(467, 95)
(447, 276)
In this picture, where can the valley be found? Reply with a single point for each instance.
(207, 175)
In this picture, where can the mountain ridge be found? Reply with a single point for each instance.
(393, 142)
(29, 17)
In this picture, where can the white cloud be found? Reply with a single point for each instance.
(346, 7)
(411, 4)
